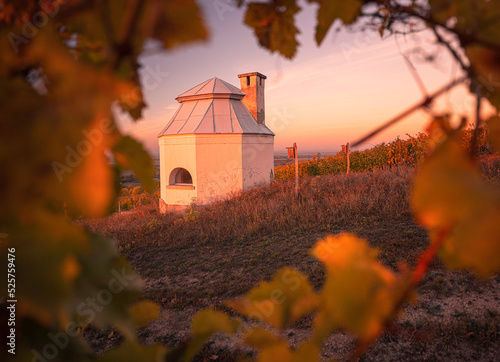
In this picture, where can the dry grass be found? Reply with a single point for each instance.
(232, 245)
(190, 263)
(327, 202)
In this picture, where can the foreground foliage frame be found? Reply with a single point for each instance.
(74, 59)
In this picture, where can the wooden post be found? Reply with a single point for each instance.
(119, 205)
(347, 151)
(296, 169)
(292, 153)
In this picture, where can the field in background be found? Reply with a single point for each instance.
(400, 152)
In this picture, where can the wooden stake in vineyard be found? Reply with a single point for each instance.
(292, 153)
(345, 149)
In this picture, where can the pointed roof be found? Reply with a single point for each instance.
(212, 88)
(213, 106)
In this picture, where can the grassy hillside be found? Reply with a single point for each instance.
(325, 202)
(217, 252)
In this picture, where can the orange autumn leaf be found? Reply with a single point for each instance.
(359, 292)
(70, 268)
(449, 192)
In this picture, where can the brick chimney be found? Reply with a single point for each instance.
(252, 84)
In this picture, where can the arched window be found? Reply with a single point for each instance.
(180, 176)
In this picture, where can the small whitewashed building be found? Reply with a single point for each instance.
(216, 143)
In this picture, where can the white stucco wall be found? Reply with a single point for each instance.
(219, 165)
(258, 160)
(177, 151)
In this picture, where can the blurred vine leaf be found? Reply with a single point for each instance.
(280, 302)
(64, 65)
(449, 192)
(126, 28)
(204, 324)
(105, 272)
(174, 22)
(470, 17)
(130, 154)
(486, 65)
(143, 312)
(272, 348)
(57, 127)
(328, 11)
(274, 25)
(476, 24)
(46, 287)
(359, 293)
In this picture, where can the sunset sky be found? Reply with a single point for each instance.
(324, 97)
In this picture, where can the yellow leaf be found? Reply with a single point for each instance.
(359, 293)
(307, 351)
(132, 156)
(279, 302)
(486, 64)
(107, 277)
(143, 312)
(449, 193)
(174, 22)
(271, 348)
(347, 11)
(273, 24)
(210, 321)
(204, 324)
(44, 286)
(91, 183)
(279, 352)
(259, 337)
(70, 268)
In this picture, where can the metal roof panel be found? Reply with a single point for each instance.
(213, 106)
